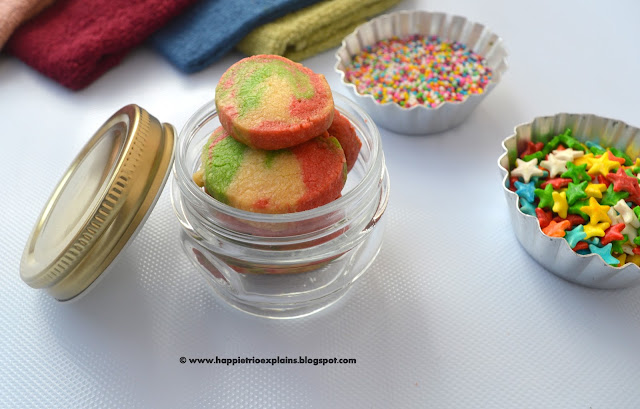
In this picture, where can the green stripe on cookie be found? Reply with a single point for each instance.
(222, 165)
(251, 90)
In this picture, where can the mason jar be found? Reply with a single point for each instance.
(282, 265)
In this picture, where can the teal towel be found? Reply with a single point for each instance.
(211, 28)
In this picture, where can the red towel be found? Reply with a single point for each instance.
(76, 41)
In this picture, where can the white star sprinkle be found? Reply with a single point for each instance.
(627, 214)
(614, 216)
(628, 248)
(526, 170)
(554, 165)
(568, 155)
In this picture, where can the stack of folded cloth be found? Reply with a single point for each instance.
(74, 42)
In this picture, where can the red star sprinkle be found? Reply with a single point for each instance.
(613, 233)
(512, 183)
(622, 181)
(636, 250)
(544, 218)
(574, 219)
(531, 148)
(615, 158)
(557, 183)
(601, 180)
(581, 245)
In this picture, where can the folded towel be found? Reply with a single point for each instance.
(313, 29)
(75, 41)
(15, 12)
(211, 28)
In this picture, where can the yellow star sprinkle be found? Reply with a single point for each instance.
(560, 204)
(622, 258)
(635, 259)
(602, 165)
(583, 159)
(595, 190)
(592, 230)
(597, 213)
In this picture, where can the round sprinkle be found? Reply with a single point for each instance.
(418, 70)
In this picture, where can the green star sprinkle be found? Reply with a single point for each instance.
(575, 208)
(546, 197)
(568, 141)
(575, 191)
(576, 173)
(610, 198)
(538, 155)
(617, 247)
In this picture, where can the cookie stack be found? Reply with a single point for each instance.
(282, 146)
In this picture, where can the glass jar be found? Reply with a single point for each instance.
(282, 265)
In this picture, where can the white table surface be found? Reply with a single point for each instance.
(452, 314)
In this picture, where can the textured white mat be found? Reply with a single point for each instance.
(453, 313)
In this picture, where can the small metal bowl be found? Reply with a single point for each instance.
(554, 253)
(421, 119)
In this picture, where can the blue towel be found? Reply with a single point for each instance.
(210, 28)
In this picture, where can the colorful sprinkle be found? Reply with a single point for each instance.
(418, 70)
(588, 194)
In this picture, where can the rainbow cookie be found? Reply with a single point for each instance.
(345, 133)
(270, 102)
(284, 181)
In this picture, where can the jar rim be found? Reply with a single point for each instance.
(208, 111)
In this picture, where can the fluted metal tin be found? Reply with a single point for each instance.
(554, 253)
(421, 119)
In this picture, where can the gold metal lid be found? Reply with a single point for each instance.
(102, 199)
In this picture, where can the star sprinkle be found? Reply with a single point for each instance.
(575, 208)
(596, 212)
(546, 196)
(605, 253)
(614, 216)
(581, 245)
(595, 230)
(568, 154)
(595, 148)
(532, 148)
(557, 183)
(526, 170)
(623, 182)
(579, 197)
(526, 190)
(613, 233)
(595, 189)
(611, 197)
(630, 231)
(628, 216)
(616, 246)
(576, 173)
(556, 229)
(582, 160)
(544, 218)
(560, 205)
(575, 235)
(527, 207)
(576, 191)
(554, 165)
(573, 218)
(602, 165)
